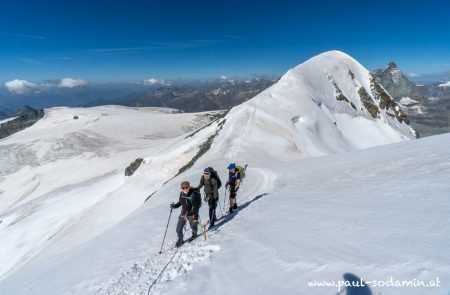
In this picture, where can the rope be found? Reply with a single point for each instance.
(224, 199)
(162, 271)
(164, 268)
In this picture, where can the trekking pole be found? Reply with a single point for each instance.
(204, 230)
(220, 208)
(224, 199)
(160, 251)
(202, 227)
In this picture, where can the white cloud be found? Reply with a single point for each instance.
(71, 83)
(446, 84)
(153, 81)
(21, 86)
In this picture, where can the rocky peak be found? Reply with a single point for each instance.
(396, 83)
(392, 65)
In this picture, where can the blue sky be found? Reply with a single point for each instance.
(135, 40)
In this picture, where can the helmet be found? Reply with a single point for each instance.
(207, 170)
(232, 166)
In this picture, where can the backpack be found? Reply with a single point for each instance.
(216, 177)
(241, 171)
(196, 199)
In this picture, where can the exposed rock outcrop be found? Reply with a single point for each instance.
(26, 120)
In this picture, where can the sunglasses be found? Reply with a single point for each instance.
(206, 173)
(184, 187)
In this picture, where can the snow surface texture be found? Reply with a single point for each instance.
(375, 213)
(66, 176)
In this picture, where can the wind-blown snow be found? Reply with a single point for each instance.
(376, 213)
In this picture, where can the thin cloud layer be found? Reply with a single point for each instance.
(71, 83)
(18, 86)
(153, 81)
(21, 86)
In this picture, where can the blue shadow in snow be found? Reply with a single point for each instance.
(228, 217)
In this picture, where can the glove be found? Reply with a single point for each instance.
(172, 206)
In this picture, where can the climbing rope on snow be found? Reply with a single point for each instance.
(167, 264)
(162, 271)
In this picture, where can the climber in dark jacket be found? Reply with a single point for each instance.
(234, 181)
(211, 189)
(190, 201)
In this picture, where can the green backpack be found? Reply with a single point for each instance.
(241, 171)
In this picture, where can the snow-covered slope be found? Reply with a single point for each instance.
(321, 218)
(300, 218)
(64, 176)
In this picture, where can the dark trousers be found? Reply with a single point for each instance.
(212, 203)
(182, 221)
(233, 191)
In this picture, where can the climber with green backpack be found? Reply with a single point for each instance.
(235, 176)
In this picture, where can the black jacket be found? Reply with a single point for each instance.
(190, 203)
(233, 178)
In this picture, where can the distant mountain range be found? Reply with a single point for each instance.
(214, 95)
(186, 95)
(426, 105)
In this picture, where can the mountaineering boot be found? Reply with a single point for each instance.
(231, 210)
(211, 224)
(179, 243)
(235, 206)
(194, 235)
